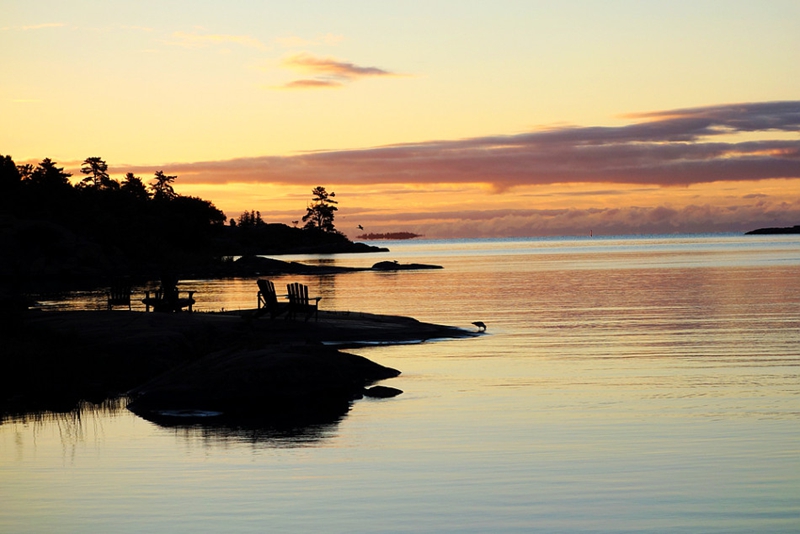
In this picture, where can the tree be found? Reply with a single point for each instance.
(25, 171)
(250, 219)
(10, 176)
(47, 192)
(10, 180)
(46, 174)
(162, 187)
(320, 213)
(133, 185)
(96, 171)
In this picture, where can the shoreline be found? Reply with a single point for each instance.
(235, 363)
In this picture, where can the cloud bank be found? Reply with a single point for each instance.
(660, 219)
(665, 148)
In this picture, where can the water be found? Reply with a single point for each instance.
(643, 384)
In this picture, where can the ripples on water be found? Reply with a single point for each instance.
(645, 384)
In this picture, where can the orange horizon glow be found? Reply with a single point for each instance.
(507, 120)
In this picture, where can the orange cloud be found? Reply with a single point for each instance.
(328, 71)
(311, 84)
(329, 66)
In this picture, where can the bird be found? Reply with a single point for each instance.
(481, 326)
(360, 227)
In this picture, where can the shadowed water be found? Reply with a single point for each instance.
(624, 384)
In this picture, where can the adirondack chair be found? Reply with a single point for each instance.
(299, 302)
(268, 300)
(167, 298)
(119, 296)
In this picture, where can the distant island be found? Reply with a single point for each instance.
(771, 231)
(390, 235)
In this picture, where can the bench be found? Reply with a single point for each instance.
(300, 302)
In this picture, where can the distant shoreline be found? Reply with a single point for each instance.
(775, 231)
(398, 236)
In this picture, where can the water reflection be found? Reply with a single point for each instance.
(219, 430)
(71, 418)
(293, 424)
(73, 427)
(86, 422)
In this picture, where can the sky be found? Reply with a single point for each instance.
(448, 119)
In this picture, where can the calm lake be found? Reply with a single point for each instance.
(628, 384)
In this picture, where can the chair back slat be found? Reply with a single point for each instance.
(299, 301)
(119, 296)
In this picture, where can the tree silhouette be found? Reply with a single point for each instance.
(10, 180)
(162, 186)
(25, 171)
(96, 171)
(47, 175)
(9, 174)
(320, 213)
(134, 186)
(250, 219)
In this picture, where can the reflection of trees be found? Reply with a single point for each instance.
(73, 426)
(77, 425)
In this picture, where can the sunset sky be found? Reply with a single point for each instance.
(445, 118)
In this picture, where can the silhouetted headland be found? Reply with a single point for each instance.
(775, 231)
(58, 234)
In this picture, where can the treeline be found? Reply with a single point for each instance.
(51, 228)
(54, 231)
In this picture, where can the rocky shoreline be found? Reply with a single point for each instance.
(178, 367)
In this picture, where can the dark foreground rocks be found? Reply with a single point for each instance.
(176, 365)
(279, 383)
(382, 392)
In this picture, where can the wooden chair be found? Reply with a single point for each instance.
(299, 302)
(119, 296)
(268, 300)
(167, 299)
